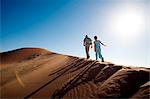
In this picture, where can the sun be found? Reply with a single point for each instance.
(128, 25)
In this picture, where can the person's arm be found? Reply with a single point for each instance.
(91, 46)
(90, 43)
(84, 42)
(102, 43)
(94, 47)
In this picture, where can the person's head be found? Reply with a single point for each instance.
(95, 37)
(86, 36)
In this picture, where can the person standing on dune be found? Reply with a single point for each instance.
(87, 43)
(97, 48)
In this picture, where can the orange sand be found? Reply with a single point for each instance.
(38, 73)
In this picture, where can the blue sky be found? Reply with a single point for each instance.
(61, 25)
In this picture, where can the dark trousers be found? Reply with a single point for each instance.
(87, 51)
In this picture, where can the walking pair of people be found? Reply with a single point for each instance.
(97, 47)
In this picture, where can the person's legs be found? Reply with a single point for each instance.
(87, 51)
(96, 54)
(100, 56)
(99, 53)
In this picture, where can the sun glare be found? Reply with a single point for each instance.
(128, 25)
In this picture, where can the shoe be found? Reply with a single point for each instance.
(88, 57)
(102, 59)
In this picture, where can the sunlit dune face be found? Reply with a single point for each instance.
(128, 25)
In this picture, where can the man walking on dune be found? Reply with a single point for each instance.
(97, 48)
(87, 43)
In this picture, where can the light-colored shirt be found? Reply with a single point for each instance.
(87, 42)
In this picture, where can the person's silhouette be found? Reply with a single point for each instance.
(97, 48)
(87, 43)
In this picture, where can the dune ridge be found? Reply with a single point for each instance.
(39, 73)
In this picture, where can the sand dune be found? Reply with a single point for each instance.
(20, 55)
(38, 73)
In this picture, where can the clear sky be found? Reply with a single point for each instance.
(61, 25)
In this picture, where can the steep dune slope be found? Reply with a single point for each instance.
(38, 73)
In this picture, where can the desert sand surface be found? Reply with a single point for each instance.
(39, 73)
